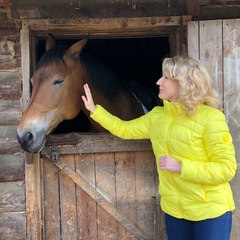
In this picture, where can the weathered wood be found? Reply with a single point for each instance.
(11, 167)
(146, 186)
(107, 225)
(8, 140)
(104, 165)
(98, 8)
(25, 64)
(86, 207)
(13, 225)
(231, 63)
(100, 199)
(5, 3)
(51, 201)
(10, 57)
(103, 24)
(68, 207)
(210, 50)
(231, 53)
(206, 45)
(193, 42)
(126, 190)
(34, 193)
(10, 112)
(220, 53)
(112, 28)
(201, 9)
(93, 143)
(10, 86)
(220, 9)
(10, 31)
(12, 198)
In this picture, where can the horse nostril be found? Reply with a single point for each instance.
(29, 137)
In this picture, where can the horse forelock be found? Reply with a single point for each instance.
(55, 54)
(102, 77)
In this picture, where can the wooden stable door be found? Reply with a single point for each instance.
(100, 195)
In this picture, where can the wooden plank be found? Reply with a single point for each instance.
(12, 198)
(80, 181)
(8, 140)
(68, 202)
(10, 55)
(51, 201)
(160, 226)
(93, 143)
(13, 226)
(105, 184)
(193, 39)
(112, 28)
(33, 174)
(126, 190)
(86, 206)
(231, 53)
(220, 9)
(145, 192)
(98, 8)
(100, 24)
(9, 31)
(25, 66)
(10, 112)
(107, 225)
(11, 167)
(105, 175)
(211, 50)
(10, 86)
(222, 59)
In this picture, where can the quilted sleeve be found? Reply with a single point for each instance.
(220, 167)
(134, 129)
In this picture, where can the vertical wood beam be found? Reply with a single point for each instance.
(34, 189)
(25, 65)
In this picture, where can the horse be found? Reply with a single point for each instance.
(57, 87)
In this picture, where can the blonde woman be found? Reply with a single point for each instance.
(193, 147)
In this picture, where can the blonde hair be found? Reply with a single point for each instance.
(195, 83)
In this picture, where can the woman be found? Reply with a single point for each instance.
(193, 148)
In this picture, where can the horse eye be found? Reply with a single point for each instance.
(57, 82)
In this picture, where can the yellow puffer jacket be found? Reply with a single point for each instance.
(202, 143)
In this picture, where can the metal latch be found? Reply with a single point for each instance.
(55, 153)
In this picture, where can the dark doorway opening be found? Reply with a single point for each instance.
(135, 59)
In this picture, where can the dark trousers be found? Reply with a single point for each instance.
(211, 229)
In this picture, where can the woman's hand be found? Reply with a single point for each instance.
(170, 164)
(88, 100)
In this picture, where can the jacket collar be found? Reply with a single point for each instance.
(173, 108)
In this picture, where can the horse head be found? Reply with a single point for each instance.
(55, 94)
(57, 87)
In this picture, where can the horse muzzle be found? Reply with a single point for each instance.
(30, 140)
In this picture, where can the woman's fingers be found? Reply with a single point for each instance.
(88, 93)
(88, 100)
(170, 164)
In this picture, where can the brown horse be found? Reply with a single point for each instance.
(57, 87)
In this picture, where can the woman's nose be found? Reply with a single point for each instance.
(159, 81)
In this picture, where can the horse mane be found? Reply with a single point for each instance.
(101, 76)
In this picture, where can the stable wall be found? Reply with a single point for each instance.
(13, 222)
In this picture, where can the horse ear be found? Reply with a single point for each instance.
(75, 50)
(50, 42)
